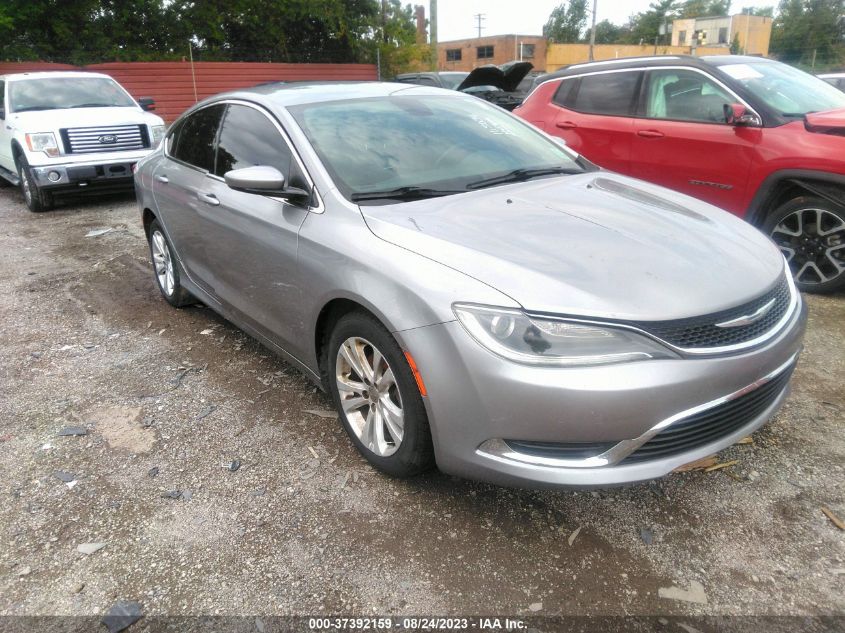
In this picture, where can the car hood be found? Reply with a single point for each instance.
(829, 122)
(44, 120)
(506, 77)
(594, 244)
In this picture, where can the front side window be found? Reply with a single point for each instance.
(484, 52)
(607, 93)
(685, 95)
(435, 142)
(248, 138)
(193, 141)
(53, 93)
(787, 90)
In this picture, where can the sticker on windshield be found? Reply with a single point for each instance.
(741, 71)
(491, 126)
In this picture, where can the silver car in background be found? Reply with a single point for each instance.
(469, 291)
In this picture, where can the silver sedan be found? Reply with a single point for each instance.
(470, 292)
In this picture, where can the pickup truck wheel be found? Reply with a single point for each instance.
(810, 231)
(37, 200)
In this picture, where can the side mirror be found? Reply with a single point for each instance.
(262, 180)
(738, 115)
(147, 103)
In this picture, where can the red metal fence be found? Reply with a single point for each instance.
(175, 86)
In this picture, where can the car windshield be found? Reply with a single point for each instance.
(785, 89)
(52, 93)
(441, 144)
(452, 80)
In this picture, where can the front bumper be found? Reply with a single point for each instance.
(76, 176)
(477, 400)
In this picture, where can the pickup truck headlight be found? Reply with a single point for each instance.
(43, 142)
(515, 336)
(158, 134)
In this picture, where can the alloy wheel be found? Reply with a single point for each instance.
(813, 242)
(163, 263)
(369, 396)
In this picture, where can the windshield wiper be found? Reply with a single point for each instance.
(94, 105)
(520, 175)
(402, 193)
(34, 108)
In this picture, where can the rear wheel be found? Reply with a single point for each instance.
(810, 231)
(36, 199)
(377, 396)
(166, 268)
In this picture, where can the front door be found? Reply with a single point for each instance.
(681, 140)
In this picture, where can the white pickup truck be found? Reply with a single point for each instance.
(65, 132)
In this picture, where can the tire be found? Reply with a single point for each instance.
(37, 200)
(413, 453)
(166, 268)
(810, 231)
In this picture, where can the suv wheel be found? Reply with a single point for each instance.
(36, 199)
(377, 397)
(810, 231)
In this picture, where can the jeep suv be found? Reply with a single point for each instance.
(756, 137)
(63, 132)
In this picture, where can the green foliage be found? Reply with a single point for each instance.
(809, 32)
(736, 48)
(567, 22)
(89, 31)
(609, 33)
(644, 27)
(765, 12)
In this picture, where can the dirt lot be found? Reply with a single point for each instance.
(169, 398)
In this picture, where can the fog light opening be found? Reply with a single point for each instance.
(54, 176)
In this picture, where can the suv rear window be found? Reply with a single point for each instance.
(607, 93)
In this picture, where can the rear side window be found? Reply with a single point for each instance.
(607, 93)
(564, 93)
(248, 138)
(194, 140)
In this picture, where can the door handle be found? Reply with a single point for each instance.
(566, 125)
(209, 198)
(163, 179)
(650, 134)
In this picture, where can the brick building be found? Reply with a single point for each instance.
(495, 49)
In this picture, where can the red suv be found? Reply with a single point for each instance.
(753, 136)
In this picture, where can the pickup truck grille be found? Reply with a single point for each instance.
(112, 138)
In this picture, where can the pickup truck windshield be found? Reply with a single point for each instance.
(415, 146)
(66, 92)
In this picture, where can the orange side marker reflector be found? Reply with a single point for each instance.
(416, 372)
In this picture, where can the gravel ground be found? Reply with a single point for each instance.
(170, 398)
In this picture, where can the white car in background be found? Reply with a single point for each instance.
(834, 79)
(65, 132)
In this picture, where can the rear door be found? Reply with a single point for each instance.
(595, 116)
(681, 140)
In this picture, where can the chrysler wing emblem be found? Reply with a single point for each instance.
(748, 319)
(107, 139)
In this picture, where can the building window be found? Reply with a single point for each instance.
(527, 51)
(682, 38)
(453, 54)
(723, 35)
(484, 52)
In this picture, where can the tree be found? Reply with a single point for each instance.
(736, 47)
(608, 33)
(645, 27)
(808, 31)
(704, 8)
(567, 22)
(765, 12)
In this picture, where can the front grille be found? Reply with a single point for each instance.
(701, 332)
(712, 424)
(558, 450)
(111, 138)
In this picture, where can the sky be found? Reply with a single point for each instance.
(527, 17)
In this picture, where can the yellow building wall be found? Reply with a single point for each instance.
(755, 33)
(559, 55)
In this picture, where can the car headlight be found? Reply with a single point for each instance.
(514, 335)
(158, 134)
(43, 142)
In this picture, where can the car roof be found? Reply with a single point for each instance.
(301, 93)
(53, 74)
(654, 61)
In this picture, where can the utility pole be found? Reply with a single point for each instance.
(432, 29)
(479, 17)
(593, 30)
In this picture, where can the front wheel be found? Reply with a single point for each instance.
(377, 396)
(166, 268)
(810, 232)
(37, 200)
